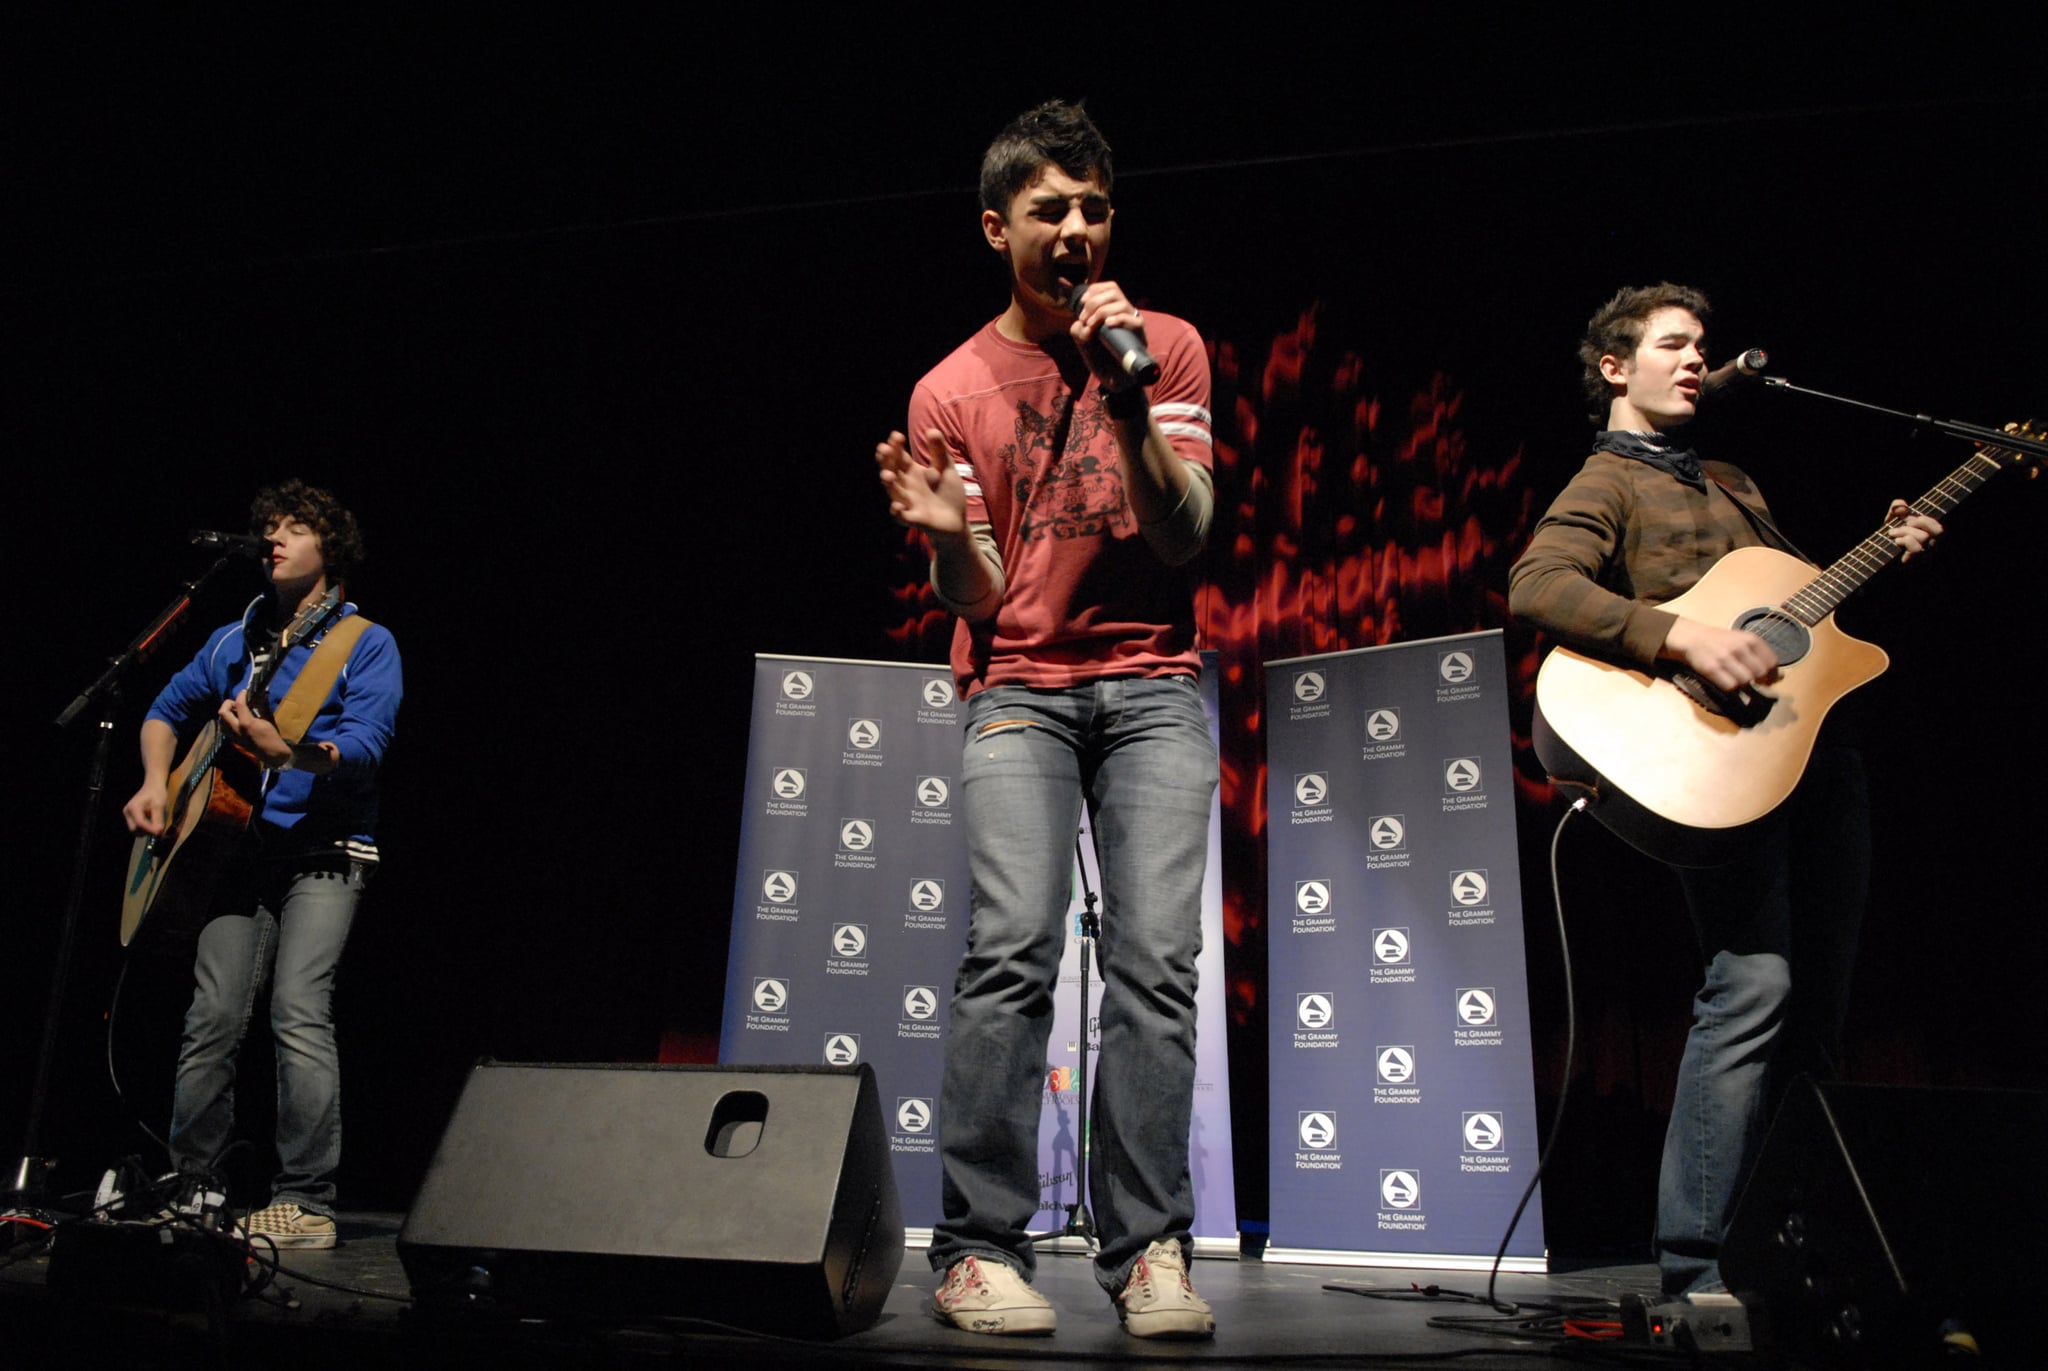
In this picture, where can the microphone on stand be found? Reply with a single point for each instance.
(1748, 366)
(246, 543)
(1123, 346)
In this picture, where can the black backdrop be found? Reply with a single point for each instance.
(596, 330)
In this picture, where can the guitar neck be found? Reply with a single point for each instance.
(1821, 596)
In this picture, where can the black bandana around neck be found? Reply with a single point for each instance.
(1656, 450)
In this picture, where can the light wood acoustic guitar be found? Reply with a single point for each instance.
(214, 791)
(1685, 770)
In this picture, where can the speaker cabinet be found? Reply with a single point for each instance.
(1880, 1219)
(759, 1196)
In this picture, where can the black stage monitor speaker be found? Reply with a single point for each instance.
(1881, 1220)
(756, 1196)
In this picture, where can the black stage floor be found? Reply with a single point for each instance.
(1267, 1313)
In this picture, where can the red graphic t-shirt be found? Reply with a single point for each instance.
(1086, 596)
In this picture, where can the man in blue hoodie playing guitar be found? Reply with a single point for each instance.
(288, 789)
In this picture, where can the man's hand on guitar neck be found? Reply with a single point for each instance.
(261, 739)
(1730, 658)
(1915, 533)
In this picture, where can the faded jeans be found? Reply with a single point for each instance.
(1778, 930)
(287, 935)
(1139, 752)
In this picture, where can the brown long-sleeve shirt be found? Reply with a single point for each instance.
(1622, 538)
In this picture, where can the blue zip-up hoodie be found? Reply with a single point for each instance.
(357, 717)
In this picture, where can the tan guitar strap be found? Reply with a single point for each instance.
(302, 702)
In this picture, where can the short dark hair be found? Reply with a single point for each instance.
(1055, 132)
(341, 542)
(1616, 330)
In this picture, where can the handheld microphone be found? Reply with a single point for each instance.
(247, 543)
(1123, 346)
(1748, 366)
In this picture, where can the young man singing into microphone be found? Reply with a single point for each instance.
(281, 913)
(1059, 499)
(1640, 524)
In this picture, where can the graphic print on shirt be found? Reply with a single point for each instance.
(1059, 478)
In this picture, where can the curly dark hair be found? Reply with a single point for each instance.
(341, 542)
(1616, 330)
(1055, 132)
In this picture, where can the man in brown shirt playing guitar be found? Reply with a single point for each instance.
(279, 792)
(1640, 524)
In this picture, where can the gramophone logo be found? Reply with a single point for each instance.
(1468, 887)
(865, 735)
(937, 693)
(771, 993)
(914, 1114)
(842, 1049)
(1476, 1006)
(1400, 1188)
(849, 940)
(797, 685)
(1483, 1130)
(1309, 687)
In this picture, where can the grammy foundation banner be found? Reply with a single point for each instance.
(1403, 1112)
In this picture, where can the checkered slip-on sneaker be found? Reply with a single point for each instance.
(289, 1226)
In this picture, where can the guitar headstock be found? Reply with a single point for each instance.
(309, 623)
(2007, 457)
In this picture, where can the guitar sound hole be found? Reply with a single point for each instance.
(1786, 635)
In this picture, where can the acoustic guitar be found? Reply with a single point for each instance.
(1685, 770)
(213, 790)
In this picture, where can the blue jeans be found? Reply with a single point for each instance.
(287, 931)
(1778, 929)
(1138, 751)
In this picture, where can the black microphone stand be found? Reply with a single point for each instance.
(1080, 1224)
(1952, 428)
(25, 1185)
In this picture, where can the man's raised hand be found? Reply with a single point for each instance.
(924, 487)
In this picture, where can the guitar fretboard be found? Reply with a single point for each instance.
(1821, 596)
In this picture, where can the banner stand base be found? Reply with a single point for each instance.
(1427, 1261)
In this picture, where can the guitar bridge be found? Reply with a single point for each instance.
(1746, 708)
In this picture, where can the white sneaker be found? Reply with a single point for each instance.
(1159, 1302)
(982, 1295)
